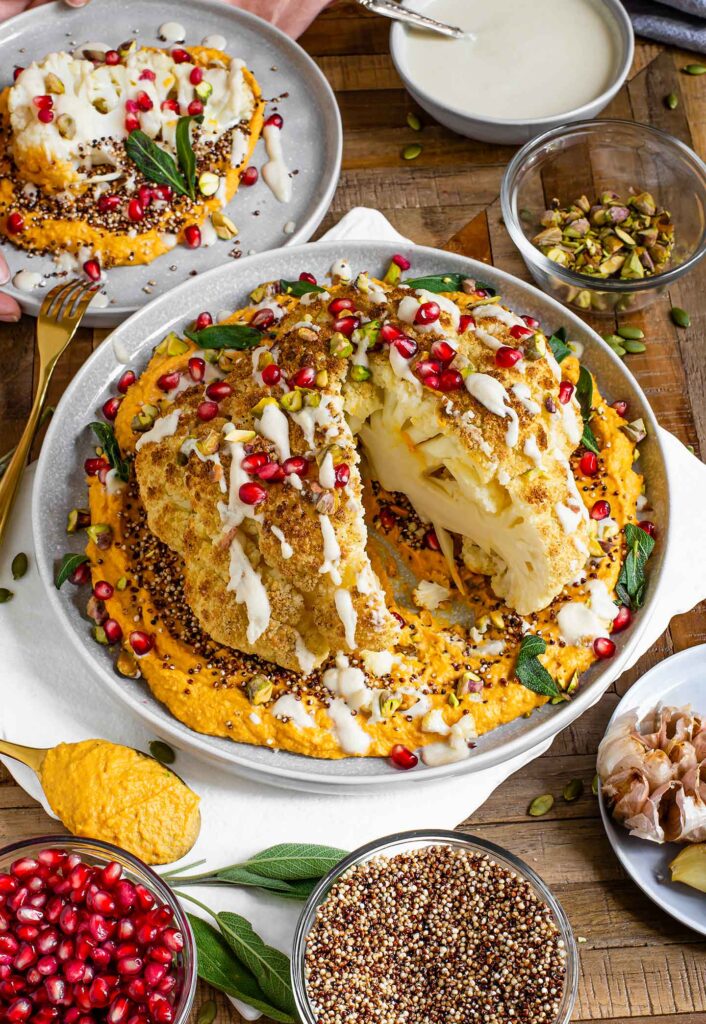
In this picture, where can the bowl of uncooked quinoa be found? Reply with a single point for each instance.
(433, 926)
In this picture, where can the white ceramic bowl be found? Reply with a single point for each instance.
(512, 132)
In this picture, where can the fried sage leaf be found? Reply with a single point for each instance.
(445, 283)
(529, 669)
(109, 443)
(69, 563)
(154, 162)
(185, 151)
(632, 582)
(235, 336)
(299, 288)
(557, 343)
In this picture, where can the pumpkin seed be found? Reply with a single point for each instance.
(634, 346)
(672, 100)
(207, 1013)
(594, 785)
(612, 339)
(411, 152)
(572, 790)
(19, 565)
(414, 122)
(541, 805)
(631, 333)
(680, 317)
(5, 595)
(695, 69)
(162, 752)
(618, 349)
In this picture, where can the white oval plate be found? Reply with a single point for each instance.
(676, 681)
(311, 137)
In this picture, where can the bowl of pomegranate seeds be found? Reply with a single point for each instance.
(433, 925)
(89, 934)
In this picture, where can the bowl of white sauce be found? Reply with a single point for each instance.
(523, 67)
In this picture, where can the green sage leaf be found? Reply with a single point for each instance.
(445, 283)
(218, 966)
(270, 966)
(530, 671)
(154, 162)
(557, 343)
(235, 336)
(632, 581)
(299, 288)
(290, 861)
(68, 564)
(185, 151)
(106, 435)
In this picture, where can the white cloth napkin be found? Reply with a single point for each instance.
(47, 695)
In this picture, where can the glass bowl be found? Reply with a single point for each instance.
(403, 842)
(590, 157)
(93, 851)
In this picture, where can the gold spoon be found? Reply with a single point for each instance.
(76, 779)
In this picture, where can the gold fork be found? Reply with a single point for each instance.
(61, 313)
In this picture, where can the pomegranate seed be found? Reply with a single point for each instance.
(118, 1010)
(92, 467)
(295, 464)
(252, 494)
(207, 411)
(102, 901)
(388, 519)
(25, 957)
(197, 368)
(141, 643)
(401, 261)
(251, 463)
(134, 210)
(195, 108)
(68, 918)
(147, 933)
(15, 223)
(19, 1009)
(112, 57)
(16, 73)
(262, 319)
(196, 76)
(603, 647)
(620, 407)
(219, 390)
(518, 333)
(131, 106)
(126, 929)
(136, 988)
(442, 351)
(566, 390)
(125, 895)
(428, 313)
(342, 474)
(588, 464)
(99, 992)
(113, 631)
(432, 541)
(80, 575)
(403, 758)
(125, 381)
(346, 325)
(54, 908)
(164, 192)
(92, 269)
(132, 123)
(388, 333)
(110, 408)
(427, 368)
(622, 620)
(129, 965)
(450, 380)
(147, 75)
(337, 306)
(180, 56)
(275, 120)
(74, 970)
(600, 510)
(144, 101)
(304, 377)
(531, 322)
(406, 347)
(192, 236)
(306, 276)
(29, 915)
(648, 527)
(248, 177)
(465, 321)
(271, 374)
(154, 973)
(272, 472)
(43, 102)
(145, 195)
(507, 357)
(169, 381)
(172, 105)
(24, 867)
(8, 944)
(161, 954)
(45, 115)
(7, 884)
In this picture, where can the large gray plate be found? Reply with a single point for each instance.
(312, 137)
(60, 485)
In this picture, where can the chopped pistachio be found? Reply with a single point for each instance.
(595, 785)
(209, 443)
(122, 583)
(453, 701)
(292, 401)
(360, 373)
(203, 90)
(259, 408)
(101, 534)
(232, 435)
(66, 126)
(259, 689)
(339, 345)
(535, 347)
(54, 85)
(223, 225)
(127, 665)
(176, 346)
(393, 274)
(99, 635)
(78, 519)
(208, 184)
(321, 378)
(636, 430)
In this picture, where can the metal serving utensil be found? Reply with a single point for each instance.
(389, 9)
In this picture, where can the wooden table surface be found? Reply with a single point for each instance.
(637, 964)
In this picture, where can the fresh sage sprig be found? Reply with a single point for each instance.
(557, 343)
(69, 563)
(159, 166)
(445, 283)
(632, 581)
(529, 669)
(106, 435)
(235, 336)
(584, 396)
(298, 288)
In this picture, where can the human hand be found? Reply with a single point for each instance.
(10, 312)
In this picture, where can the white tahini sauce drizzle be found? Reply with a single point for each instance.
(26, 280)
(349, 732)
(522, 393)
(214, 42)
(491, 394)
(327, 472)
(275, 171)
(577, 622)
(306, 659)
(172, 32)
(347, 614)
(274, 425)
(332, 551)
(496, 312)
(249, 590)
(286, 548)
(165, 426)
(531, 450)
(287, 706)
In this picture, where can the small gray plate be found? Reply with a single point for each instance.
(311, 137)
(60, 485)
(676, 681)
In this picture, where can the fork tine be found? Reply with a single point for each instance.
(68, 311)
(53, 299)
(83, 301)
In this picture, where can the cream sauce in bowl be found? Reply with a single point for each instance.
(521, 59)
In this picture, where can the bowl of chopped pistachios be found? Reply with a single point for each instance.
(607, 214)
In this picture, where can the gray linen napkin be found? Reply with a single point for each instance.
(676, 22)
